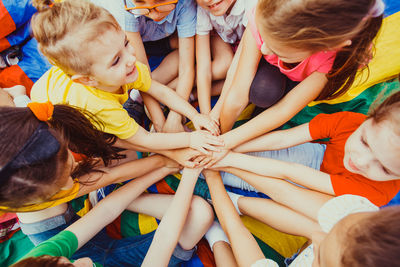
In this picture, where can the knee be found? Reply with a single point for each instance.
(266, 94)
(220, 67)
(201, 212)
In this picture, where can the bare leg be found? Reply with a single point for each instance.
(168, 69)
(223, 255)
(198, 221)
(222, 55)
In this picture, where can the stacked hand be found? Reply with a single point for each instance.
(203, 121)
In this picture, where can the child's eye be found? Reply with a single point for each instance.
(115, 61)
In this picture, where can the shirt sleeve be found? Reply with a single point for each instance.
(204, 25)
(64, 244)
(253, 28)
(249, 6)
(118, 122)
(187, 19)
(328, 125)
(131, 22)
(379, 193)
(39, 88)
(323, 61)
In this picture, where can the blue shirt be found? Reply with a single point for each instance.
(183, 19)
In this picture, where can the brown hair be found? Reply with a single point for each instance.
(318, 25)
(66, 29)
(42, 261)
(74, 129)
(374, 241)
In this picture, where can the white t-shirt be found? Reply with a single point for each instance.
(229, 27)
(331, 213)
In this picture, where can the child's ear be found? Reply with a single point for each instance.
(84, 79)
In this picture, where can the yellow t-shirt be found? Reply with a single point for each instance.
(57, 87)
(63, 196)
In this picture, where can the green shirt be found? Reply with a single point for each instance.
(63, 244)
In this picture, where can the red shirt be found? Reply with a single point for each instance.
(338, 127)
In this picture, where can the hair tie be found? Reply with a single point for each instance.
(377, 9)
(42, 111)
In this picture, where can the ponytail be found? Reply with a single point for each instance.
(80, 128)
(39, 177)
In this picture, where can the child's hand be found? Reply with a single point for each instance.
(203, 141)
(15, 91)
(216, 158)
(202, 121)
(185, 157)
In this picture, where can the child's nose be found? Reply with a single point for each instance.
(363, 160)
(131, 60)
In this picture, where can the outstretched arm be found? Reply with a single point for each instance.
(112, 206)
(170, 228)
(278, 114)
(244, 246)
(175, 102)
(298, 173)
(302, 200)
(277, 140)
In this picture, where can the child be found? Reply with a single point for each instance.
(188, 229)
(73, 34)
(151, 26)
(39, 171)
(214, 51)
(360, 157)
(318, 54)
(346, 231)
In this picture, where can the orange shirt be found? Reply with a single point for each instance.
(338, 127)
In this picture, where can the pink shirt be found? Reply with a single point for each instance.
(321, 61)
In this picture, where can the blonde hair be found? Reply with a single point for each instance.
(65, 30)
(318, 25)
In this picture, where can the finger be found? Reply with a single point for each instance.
(211, 148)
(202, 150)
(205, 161)
(199, 159)
(214, 140)
(209, 127)
(190, 164)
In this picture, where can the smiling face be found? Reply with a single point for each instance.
(154, 14)
(113, 61)
(373, 151)
(217, 7)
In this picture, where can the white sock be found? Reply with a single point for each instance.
(235, 197)
(215, 234)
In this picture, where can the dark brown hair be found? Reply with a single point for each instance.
(74, 129)
(374, 241)
(320, 25)
(42, 261)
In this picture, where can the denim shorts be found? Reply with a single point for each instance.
(129, 251)
(308, 154)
